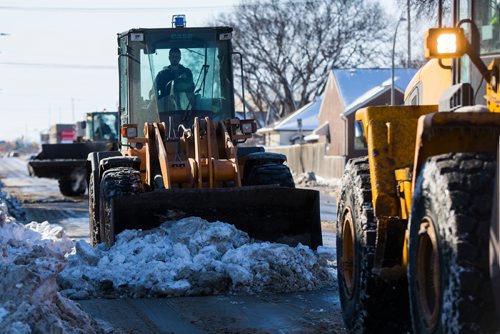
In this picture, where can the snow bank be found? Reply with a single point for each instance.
(31, 256)
(191, 257)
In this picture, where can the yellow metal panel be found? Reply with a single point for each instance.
(431, 81)
(451, 132)
(141, 154)
(390, 133)
(404, 190)
(492, 96)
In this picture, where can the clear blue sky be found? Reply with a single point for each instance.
(59, 59)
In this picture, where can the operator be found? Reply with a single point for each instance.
(175, 79)
(103, 130)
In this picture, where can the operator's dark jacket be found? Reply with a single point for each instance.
(183, 80)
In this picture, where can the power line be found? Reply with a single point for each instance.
(135, 9)
(74, 66)
(111, 9)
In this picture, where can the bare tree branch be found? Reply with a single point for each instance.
(290, 46)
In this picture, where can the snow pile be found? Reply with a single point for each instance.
(4, 214)
(31, 256)
(11, 206)
(191, 257)
(310, 179)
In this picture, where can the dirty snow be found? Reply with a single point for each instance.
(31, 256)
(192, 257)
(41, 266)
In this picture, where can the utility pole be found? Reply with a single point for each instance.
(393, 99)
(73, 108)
(3, 34)
(408, 11)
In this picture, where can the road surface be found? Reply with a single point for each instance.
(307, 312)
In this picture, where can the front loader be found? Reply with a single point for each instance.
(181, 154)
(66, 162)
(416, 217)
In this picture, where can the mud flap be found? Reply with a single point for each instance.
(266, 213)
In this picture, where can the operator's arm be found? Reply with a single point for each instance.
(160, 83)
(189, 79)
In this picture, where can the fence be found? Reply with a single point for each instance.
(311, 158)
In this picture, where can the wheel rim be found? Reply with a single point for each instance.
(428, 273)
(348, 253)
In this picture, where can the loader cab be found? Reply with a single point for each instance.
(101, 126)
(473, 45)
(481, 23)
(145, 53)
(477, 58)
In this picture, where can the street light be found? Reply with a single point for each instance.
(401, 18)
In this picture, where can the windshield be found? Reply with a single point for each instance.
(176, 77)
(488, 23)
(103, 127)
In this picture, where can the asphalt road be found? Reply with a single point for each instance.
(307, 312)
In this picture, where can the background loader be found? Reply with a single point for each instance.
(416, 217)
(66, 162)
(179, 148)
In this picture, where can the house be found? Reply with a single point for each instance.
(346, 91)
(293, 128)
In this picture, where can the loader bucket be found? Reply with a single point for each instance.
(266, 213)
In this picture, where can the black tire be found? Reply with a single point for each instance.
(72, 187)
(115, 182)
(95, 233)
(270, 173)
(449, 284)
(369, 304)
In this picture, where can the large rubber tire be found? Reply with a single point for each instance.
(369, 304)
(95, 233)
(72, 187)
(270, 173)
(449, 284)
(115, 182)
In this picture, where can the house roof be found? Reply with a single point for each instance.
(368, 96)
(308, 113)
(354, 83)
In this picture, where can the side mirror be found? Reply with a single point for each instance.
(445, 43)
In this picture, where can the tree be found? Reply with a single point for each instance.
(423, 14)
(290, 46)
(427, 8)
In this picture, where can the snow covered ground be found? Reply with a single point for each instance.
(40, 265)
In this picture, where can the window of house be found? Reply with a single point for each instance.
(359, 136)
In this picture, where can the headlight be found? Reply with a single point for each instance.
(445, 43)
(129, 131)
(248, 128)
